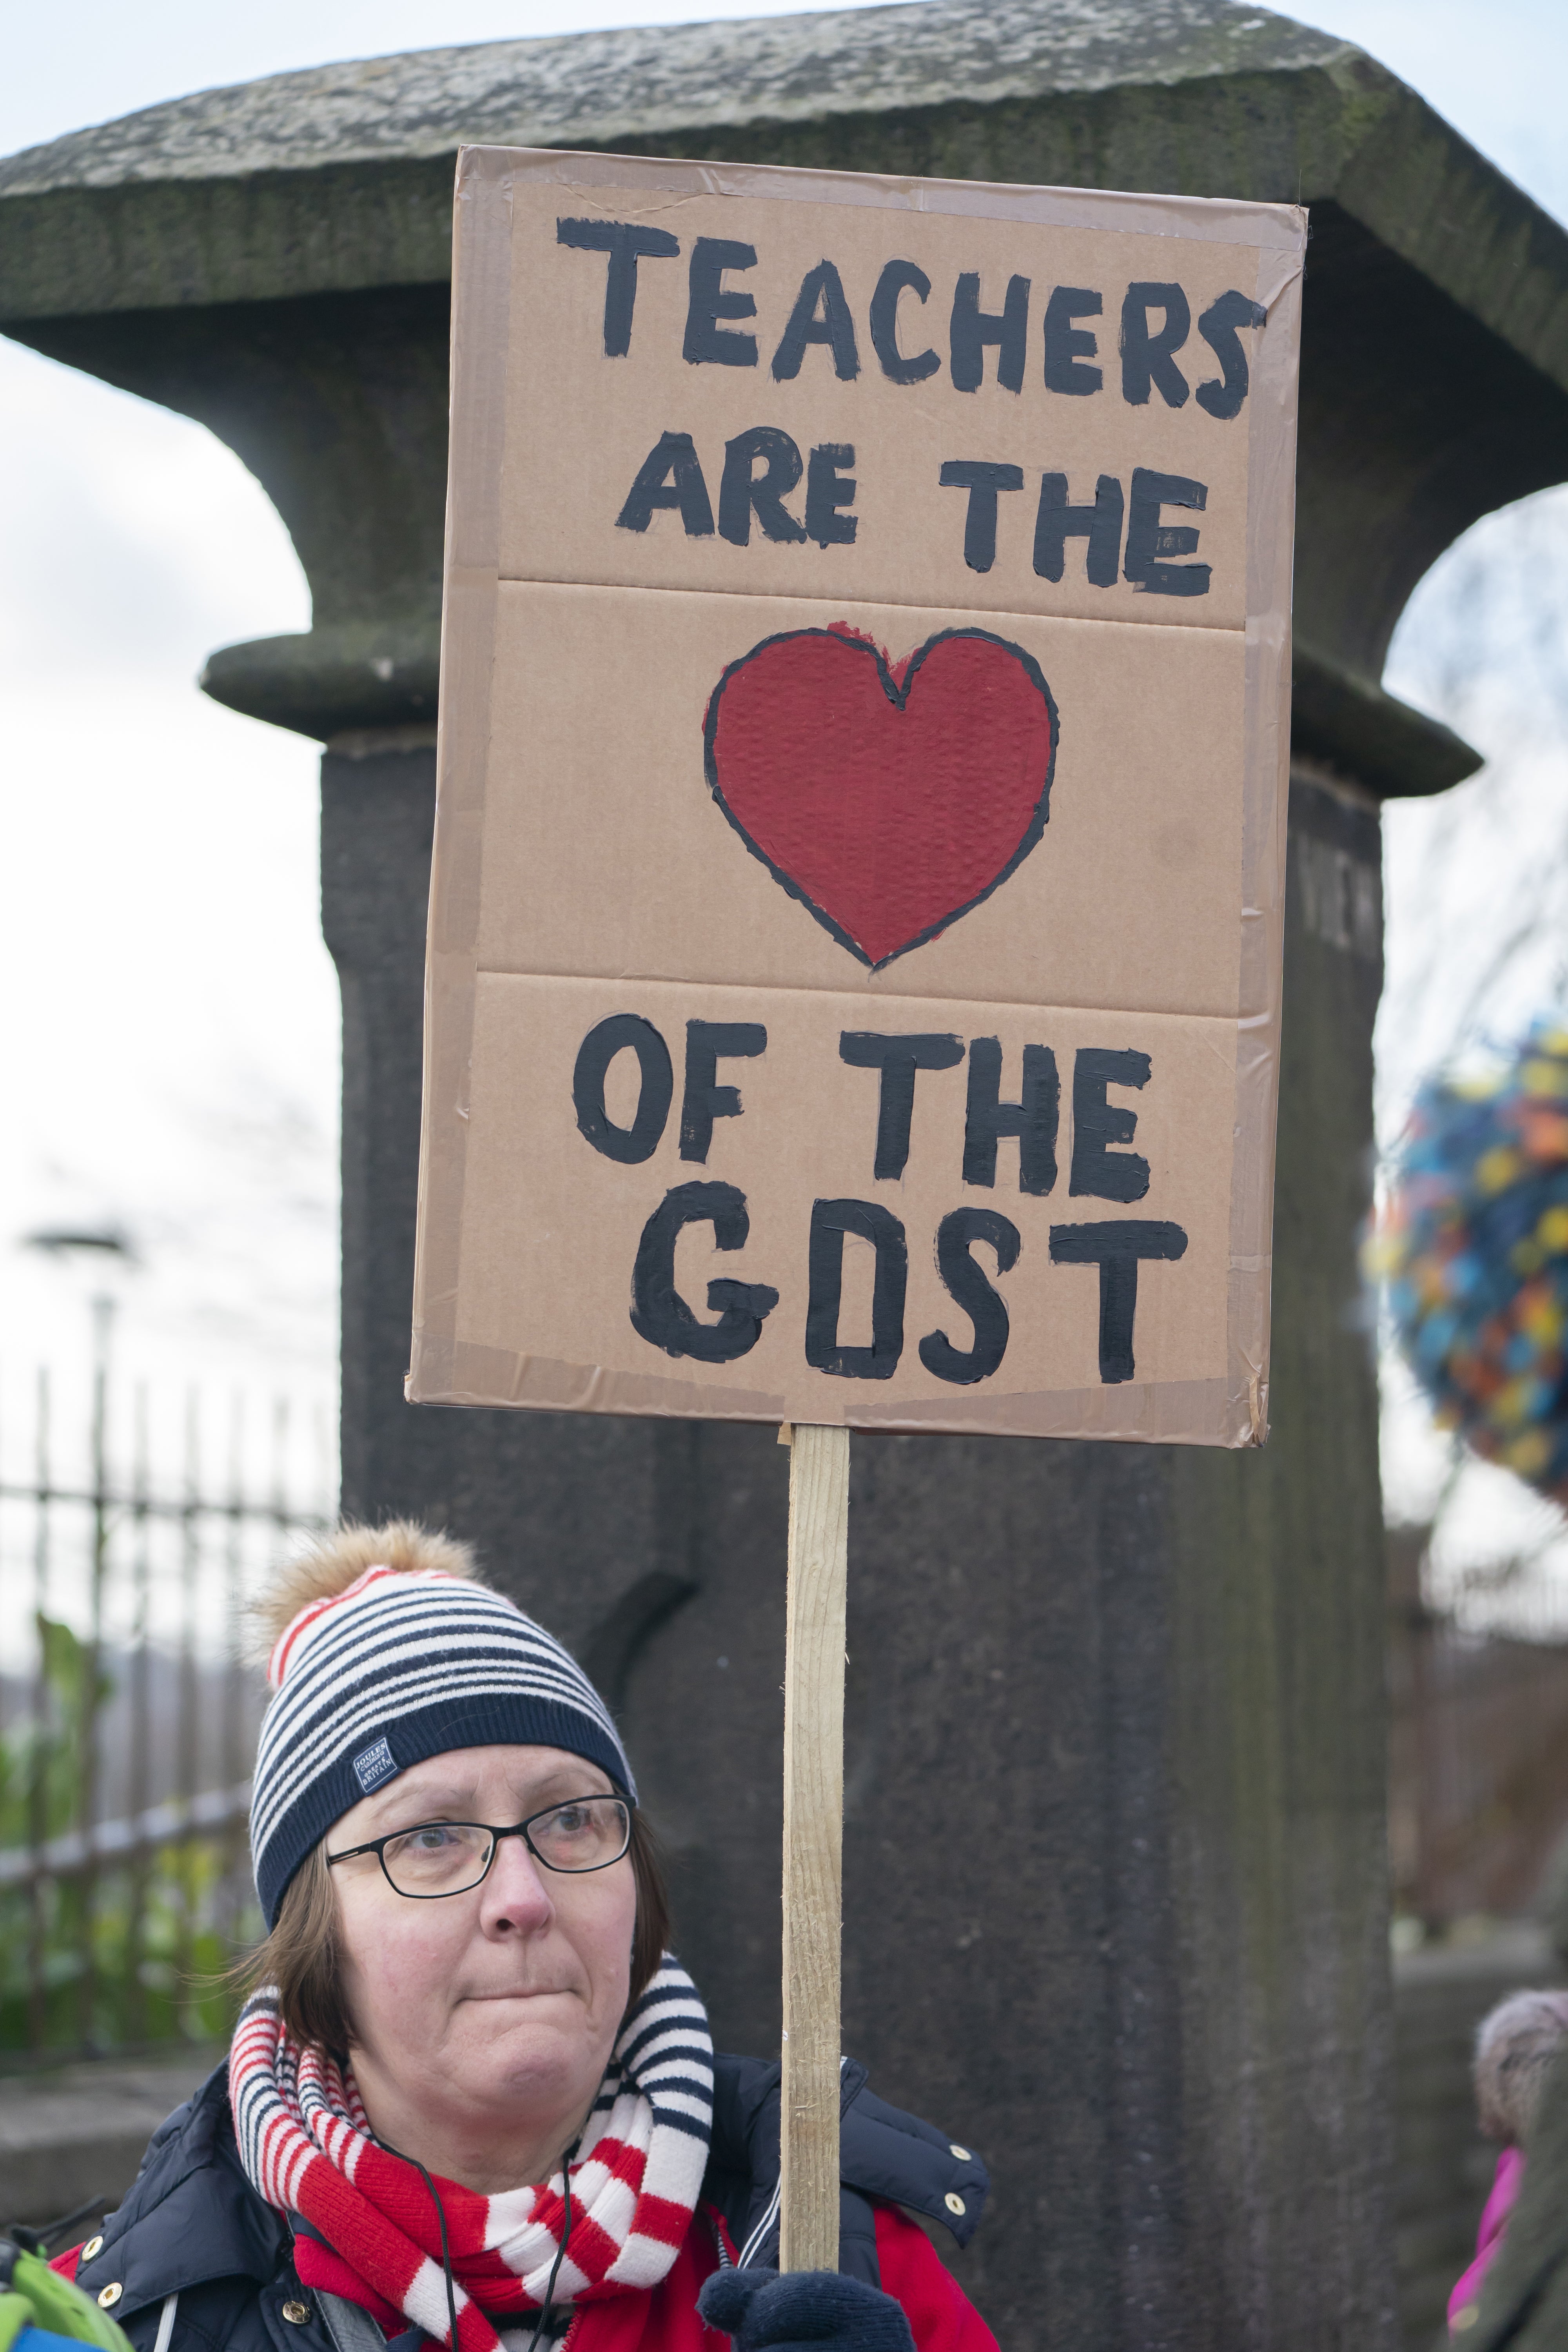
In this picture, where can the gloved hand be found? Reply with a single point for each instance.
(33, 2295)
(759, 2309)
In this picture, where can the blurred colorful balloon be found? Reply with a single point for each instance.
(1473, 1248)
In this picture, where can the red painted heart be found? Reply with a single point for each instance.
(889, 801)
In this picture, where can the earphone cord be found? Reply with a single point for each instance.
(543, 2320)
(440, 2223)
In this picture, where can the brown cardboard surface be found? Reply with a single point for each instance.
(897, 784)
(560, 496)
(807, 1129)
(591, 871)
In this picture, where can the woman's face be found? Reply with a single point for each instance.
(488, 2015)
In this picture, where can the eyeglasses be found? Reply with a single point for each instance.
(438, 1858)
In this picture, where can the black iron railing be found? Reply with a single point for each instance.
(129, 1708)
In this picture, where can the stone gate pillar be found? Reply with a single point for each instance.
(1115, 1877)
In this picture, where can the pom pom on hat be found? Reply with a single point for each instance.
(1474, 1250)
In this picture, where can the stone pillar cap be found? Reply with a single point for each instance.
(598, 89)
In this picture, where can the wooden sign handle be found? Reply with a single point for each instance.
(812, 1844)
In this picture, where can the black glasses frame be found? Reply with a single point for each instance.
(378, 1845)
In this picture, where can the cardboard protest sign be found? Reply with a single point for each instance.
(855, 936)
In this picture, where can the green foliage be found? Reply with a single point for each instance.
(132, 1956)
(44, 1766)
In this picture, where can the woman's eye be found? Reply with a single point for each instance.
(433, 1838)
(583, 1820)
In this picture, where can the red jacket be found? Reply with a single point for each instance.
(665, 2318)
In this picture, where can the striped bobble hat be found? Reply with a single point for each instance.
(402, 1664)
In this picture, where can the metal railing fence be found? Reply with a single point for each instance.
(129, 1708)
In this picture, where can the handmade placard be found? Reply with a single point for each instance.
(854, 934)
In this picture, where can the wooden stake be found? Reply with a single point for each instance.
(812, 1844)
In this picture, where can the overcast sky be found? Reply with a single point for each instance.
(171, 1053)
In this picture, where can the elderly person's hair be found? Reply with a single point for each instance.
(301, 1955)
(1515, 2045)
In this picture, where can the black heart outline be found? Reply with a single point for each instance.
(899, 697)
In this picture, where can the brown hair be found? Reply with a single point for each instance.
(302, 1956)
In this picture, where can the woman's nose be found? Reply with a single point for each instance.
(514, 1899)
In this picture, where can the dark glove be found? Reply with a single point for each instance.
(761, 2310)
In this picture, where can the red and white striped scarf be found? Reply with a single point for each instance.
(306, 2148)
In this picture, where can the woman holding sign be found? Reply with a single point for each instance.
(473, 2100)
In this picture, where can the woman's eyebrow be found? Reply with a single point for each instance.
(556, 1788)
(449, 1796)
(403, 1792)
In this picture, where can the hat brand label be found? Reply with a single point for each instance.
(372, 1766)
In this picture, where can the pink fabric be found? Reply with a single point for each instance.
(1504, 2195)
